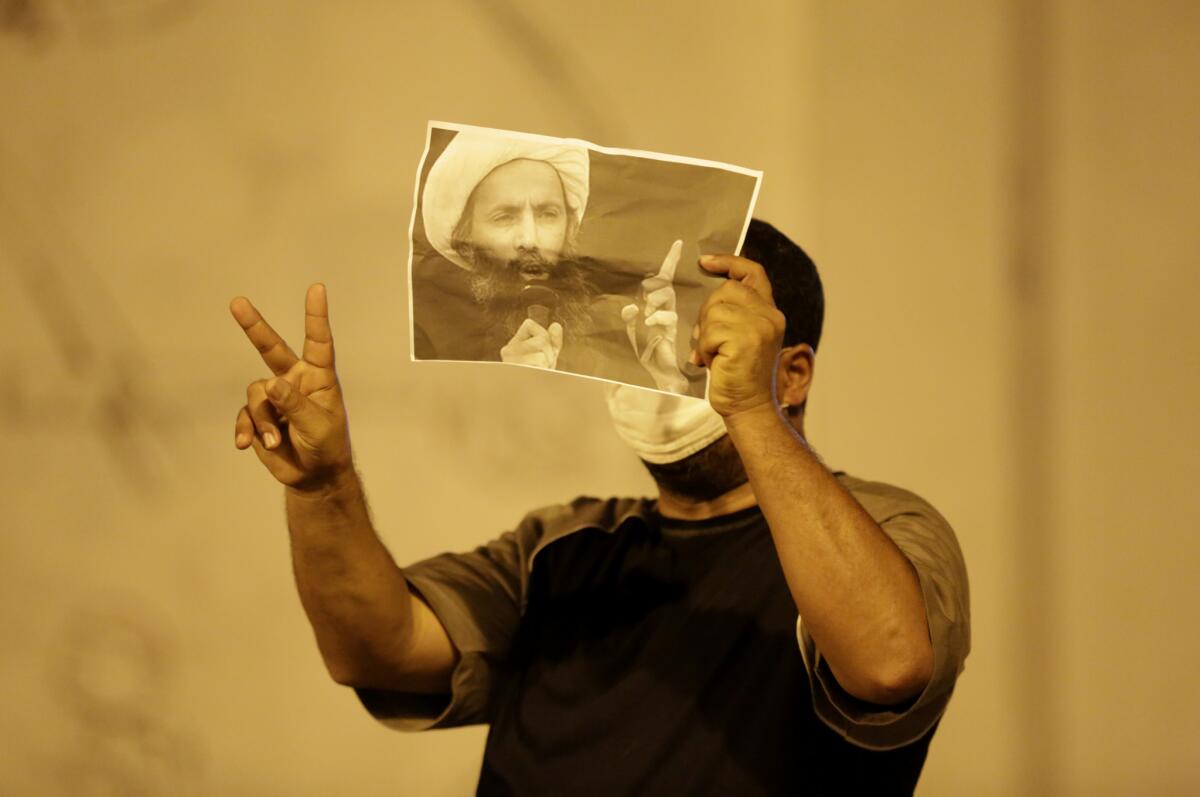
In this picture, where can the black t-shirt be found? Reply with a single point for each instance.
(662, 659)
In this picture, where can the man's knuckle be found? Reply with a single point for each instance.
(724, 313)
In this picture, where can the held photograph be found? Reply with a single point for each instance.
(560, 254)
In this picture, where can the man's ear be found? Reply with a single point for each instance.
(794, 376)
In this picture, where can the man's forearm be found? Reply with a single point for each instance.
(355, 596)
(858, 595)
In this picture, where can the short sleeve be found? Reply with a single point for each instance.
(477, 598)
(927, 540)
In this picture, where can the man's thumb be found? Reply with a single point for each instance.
(299, 410)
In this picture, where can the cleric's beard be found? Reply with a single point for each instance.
(497, 284)
(706, 475)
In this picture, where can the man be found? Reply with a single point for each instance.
(764, 626)
(506, 212)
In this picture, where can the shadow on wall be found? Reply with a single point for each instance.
(99, 378)
(113, 671)
(42, 21)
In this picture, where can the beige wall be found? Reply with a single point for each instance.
(1001, 197)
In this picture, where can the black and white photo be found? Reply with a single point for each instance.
(559, 254)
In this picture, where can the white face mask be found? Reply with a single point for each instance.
(663, 428)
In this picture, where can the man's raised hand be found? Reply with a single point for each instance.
(534, 345)
(662, 323)
(295, 420)
(738, 336)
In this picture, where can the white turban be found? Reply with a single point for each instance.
(470, 157)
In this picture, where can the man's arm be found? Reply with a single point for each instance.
(372, 631)
(858, 595)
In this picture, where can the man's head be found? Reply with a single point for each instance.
(518, 213)
(795, 283)
(517, 231)
(798, 294)
(508, 211)
(654, 424)
(503, 197)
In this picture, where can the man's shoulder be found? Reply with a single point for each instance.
(884, 501)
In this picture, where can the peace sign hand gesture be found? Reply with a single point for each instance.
(296, 419)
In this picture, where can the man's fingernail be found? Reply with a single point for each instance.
(271, 439)
(695, 332)
(242, 440)
(707, 258)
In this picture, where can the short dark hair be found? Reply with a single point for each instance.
(794, 282)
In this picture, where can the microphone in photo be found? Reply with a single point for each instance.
(540, 304)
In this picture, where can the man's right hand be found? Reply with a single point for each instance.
(296, 419)
(534, 344)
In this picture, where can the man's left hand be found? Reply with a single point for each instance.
(738, 336)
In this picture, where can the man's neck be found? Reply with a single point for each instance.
(680, 507)
(674, 505)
